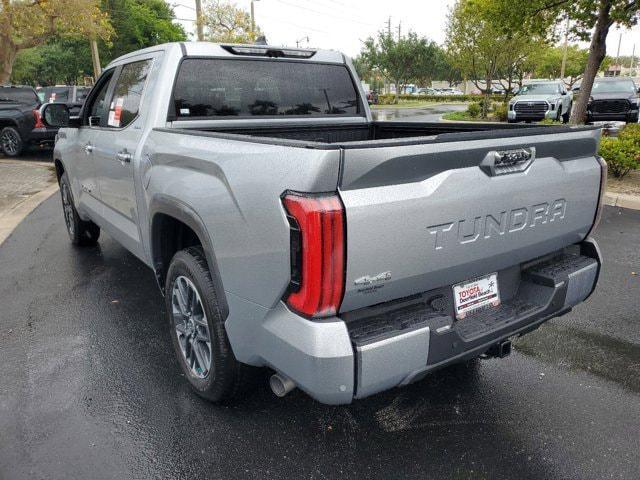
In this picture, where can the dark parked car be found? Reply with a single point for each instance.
(73, 96)
(20, 122)
(614, 99)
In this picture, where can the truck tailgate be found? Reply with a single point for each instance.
(422, 216)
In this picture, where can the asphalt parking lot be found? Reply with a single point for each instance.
(90, 387)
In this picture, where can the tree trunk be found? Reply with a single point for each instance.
(7, 56)
(487, 97)
(397, 91)
(597, 52)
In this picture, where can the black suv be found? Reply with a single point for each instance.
(20, 122)
(614, 99)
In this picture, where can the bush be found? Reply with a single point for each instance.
(474, 109)
(622, 154)
(500, 111)
(549, 121)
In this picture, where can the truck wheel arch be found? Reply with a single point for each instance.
(59, 168)
(171, 228)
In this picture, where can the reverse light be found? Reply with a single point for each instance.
(317, 253)
(38, 119)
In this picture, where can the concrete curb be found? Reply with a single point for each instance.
(622, 200)
(10, 220)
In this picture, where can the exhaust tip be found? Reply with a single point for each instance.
(281, 385)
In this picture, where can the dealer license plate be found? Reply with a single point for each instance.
(475, 294)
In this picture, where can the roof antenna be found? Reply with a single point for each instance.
(261, 40)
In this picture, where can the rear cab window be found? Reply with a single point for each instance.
(23, 96)
(55, 94)
(229, 87)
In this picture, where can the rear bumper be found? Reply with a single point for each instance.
(377, 348)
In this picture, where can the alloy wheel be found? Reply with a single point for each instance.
(192, 328)
(10, 142)
(67, 207)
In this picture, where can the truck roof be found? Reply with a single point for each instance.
(210, 49)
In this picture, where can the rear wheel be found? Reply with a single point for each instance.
(81, 232)
(559, 117)
(197, 329)
(11, 142)
(565, 117)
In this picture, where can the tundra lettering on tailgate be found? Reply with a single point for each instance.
(486, 226)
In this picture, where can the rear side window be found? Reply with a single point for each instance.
(56, 94)
(246, 88)
(128, 93)
(24, 96)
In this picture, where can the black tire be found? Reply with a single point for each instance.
(11, 142)
(82, 233)
(225, 378)
(559, 116)
(567, 115)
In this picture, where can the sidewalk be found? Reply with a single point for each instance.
(24, 184)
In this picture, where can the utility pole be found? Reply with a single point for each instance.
(633, 57)
(199, 29)
(399, 34)
(389, 27)
(95, 58)
(253, 20)
(618, 57)
(565, 48)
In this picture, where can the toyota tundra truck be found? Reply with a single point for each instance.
(287, 229)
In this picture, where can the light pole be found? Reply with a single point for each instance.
(253, 20)
(199, 29)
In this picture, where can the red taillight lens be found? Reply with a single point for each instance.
(38, 118)
(317, 253)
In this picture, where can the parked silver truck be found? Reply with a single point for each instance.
(289, 230)
(539, 100)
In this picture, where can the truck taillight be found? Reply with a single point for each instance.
(38, 118)
(317, 253)
(603, 188)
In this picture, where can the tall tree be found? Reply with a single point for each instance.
(589, 19)
(139, 24)
(225, 22)
(400, 60)
(482, 49)
(548, 63)
(28, 23)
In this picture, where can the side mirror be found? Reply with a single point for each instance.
(57, 115)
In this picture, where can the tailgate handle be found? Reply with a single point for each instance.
(501, 162)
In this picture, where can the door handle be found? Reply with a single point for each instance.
(88, 148)
(124, 157)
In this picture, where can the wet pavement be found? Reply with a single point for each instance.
(422, 114)
(90, 388)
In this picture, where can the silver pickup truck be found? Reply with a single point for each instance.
(287, 229)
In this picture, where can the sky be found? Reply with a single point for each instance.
(344, 24)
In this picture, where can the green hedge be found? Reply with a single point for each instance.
(622, 154)
(390, 99)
